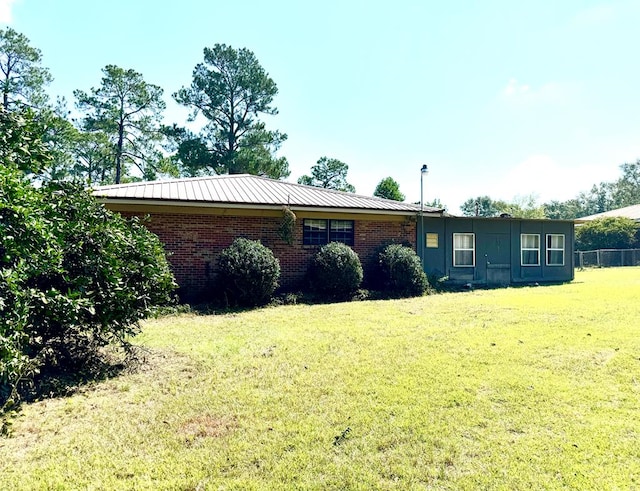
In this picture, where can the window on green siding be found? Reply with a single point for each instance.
(555, 250)
(320, 231)
(432, 241)
(464, 250)
(530, 249)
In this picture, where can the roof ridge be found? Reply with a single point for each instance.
(252, 176)
(173, 179)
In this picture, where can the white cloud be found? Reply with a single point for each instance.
(522, 94)
(514, 88)
(545, 178)
(5, 11)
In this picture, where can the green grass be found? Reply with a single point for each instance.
(522, 388)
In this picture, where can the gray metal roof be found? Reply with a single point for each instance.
(245, 189)
(632, 212)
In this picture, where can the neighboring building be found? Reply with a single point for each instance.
(197, 218)
(632, 212)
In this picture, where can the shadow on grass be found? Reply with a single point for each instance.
(64, 381)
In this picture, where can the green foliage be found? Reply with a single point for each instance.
(401, 271)
(330, 174)
(520, 207)
(336, 270)
(626, 191)
(126, 110)
(231, 90)
(606, 233)
(601, 197)
(287, 225)
(248, 272)
(73, 278)
(390, 189)
(482, 206)
(21, 141)
(22, 79)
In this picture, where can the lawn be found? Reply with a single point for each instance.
(519, 388)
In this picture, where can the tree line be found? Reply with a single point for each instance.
(119, 133)
(606, 196)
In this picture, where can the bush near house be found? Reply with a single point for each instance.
(74, 278)
(248, 272)
(336, 270)
(401, 272)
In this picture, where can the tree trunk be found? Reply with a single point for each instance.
(119, 151)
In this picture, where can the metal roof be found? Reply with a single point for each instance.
(632, 212)
(247, 190)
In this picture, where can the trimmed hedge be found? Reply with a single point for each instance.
(401, 271)
(248, 272)
(336, 270)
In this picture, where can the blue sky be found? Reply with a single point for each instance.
(499, 97)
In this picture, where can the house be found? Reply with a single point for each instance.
(632, 212)
(197, 218)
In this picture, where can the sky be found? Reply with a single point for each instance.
(500, 98)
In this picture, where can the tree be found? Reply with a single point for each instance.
(93, 158)
(231, 90)
(388, 188)
(482, 206)
(520, 207)
(626, 190)
(128, 111)
(434, 203)
(21, 141)
(328, 173)
(563, 210)
(606, 233)
(23, 80)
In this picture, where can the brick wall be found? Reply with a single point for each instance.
(194, 242)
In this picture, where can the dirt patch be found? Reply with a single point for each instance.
(206, 425)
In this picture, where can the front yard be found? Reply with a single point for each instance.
(519, 388)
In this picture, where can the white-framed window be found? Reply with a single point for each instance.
(530, 249)
(555, 249)
(464, 250)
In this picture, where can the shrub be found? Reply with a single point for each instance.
(74, 277)
(607, 233)
(401, 271)
(248, 272)
(336, 270)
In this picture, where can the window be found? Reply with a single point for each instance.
(432, 241)
(555, 250)
(341, 231)
(530, 249)
(315, 232)
(464, 250)
(319, 232)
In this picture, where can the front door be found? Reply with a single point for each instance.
(496, 253)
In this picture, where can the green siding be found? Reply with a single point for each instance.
(497, 250)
